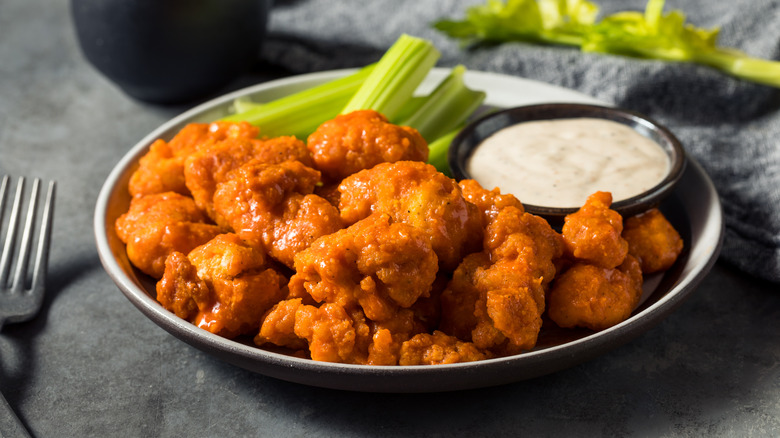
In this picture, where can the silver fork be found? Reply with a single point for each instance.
(18, 301)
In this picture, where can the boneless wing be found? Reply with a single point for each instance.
(593, 233)
(375, 264)
(329, 332)
(497, 296)
(526, 240)
(489, 202)
(438, 348)
(333, 333)
(272, 205)
(595, 297)
(209, 166)
(418, 195)
(360, 140)
(162, 168)
(223, 286)
(157, 225)
(652, 240)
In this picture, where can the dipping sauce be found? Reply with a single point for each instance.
(558, 163)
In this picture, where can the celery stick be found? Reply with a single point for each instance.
(301, 113)
(409, 108)
(737, 64)
(439, 149)
(244, 104)
(396, 76)
(651, 34)
(446, 107)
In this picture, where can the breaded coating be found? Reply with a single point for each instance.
(331, 333)
(652, 240)
(360, 140)
(508, 309)
(592, 234)
(271, 205)
(489, 202)
(509, 319)
(330, 192)
(278, 326)
(459, 299)
(496, 297)
(157, 225)
(180, 290)
(524, 239)
(388, 336)
(438, 348)
(375, 264)
(594, 297)
(417, 194)
(162, 168)
(427, 309)
(223, 286)
(207, 167)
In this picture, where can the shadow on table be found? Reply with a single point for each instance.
(17, 362)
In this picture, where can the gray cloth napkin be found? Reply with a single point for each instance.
(730, 126)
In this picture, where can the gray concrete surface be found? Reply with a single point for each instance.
(93, 365)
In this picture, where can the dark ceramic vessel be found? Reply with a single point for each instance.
(470, 137)
(170, 51)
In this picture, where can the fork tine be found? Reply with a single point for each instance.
(3, 189)
(10, 237)
(22, 261)
(44, 240)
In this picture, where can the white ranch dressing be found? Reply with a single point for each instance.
(559, 163)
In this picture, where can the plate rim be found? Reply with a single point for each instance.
(361, 377)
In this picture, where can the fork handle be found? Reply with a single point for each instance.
(10, 425)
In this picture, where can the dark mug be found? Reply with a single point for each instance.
(170, 51)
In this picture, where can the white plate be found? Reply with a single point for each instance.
(693, 208)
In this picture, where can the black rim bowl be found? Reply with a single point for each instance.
(474, 133)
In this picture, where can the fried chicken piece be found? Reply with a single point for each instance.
(360, 140)
(330, 192)
(509, 319)
(427, 309)
(595, 297)
(204, 169)
(390, 335)
(330, 332)
(271, 205)
(652, 240)
(334, 334)
(157, 225)
(375, 264)
(496, 297)
(524, 239)
(278, 326)
(459, 299)
(223, 286)
(416, 194)
(489, 202)
(162, 168)
(439, 348)
(592, 234)
(508, 309)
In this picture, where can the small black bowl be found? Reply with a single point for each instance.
(473, 134)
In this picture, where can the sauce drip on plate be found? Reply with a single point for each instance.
(558, 163)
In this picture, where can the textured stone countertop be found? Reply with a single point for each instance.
(92, 365)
